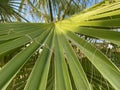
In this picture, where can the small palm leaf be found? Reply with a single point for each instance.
(58, 62)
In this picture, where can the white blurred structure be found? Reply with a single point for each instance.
(110, 46)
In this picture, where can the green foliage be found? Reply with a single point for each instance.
(48, 52)
(9, 11)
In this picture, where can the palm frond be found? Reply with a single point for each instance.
(9, 11)
(57, 61)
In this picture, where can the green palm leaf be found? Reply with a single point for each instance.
(9, 11)
(57, 61)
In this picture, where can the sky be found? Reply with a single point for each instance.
(34, 18)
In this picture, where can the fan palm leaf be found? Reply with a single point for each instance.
(57, 55)
(9, 11)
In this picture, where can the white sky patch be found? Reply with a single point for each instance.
(40, 50)
(110, 46)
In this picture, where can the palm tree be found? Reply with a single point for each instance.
(53, 10)
(57, 54)
(9, 11)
